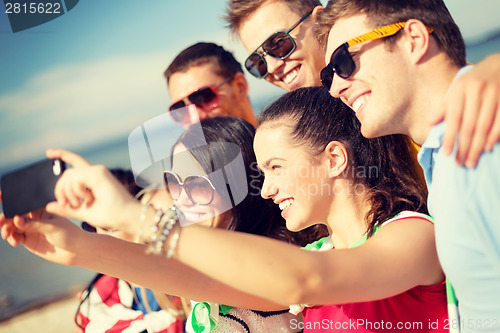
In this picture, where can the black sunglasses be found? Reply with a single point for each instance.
(342, 63)
(199, 189)
(205, 98)
(279, 46)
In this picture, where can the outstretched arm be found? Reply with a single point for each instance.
(472, 110)
(400, 256)
(59, 240)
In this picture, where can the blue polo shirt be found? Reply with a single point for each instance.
(465, 205)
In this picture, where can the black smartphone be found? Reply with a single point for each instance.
(30, 188)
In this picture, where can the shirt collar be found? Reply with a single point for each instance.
(433, 142)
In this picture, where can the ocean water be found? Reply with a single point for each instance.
(478, 50)
(26, 280)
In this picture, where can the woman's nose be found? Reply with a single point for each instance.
(183, 199)
(268, 190)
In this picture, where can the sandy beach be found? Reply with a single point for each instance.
(54, 317)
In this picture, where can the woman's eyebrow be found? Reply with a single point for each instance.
(267, 163)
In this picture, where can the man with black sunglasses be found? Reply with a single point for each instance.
(279, 38)
(208, 78)
(394, 65)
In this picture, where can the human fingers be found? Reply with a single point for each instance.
(473, 104)
(79, 193)
(494, 136)
(15, 239)
(483, 126)
(69, 188)
(10, 232)
(5, 226)
(64, 210)
(30, 222)
(67, 156)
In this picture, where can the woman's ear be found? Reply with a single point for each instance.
(336, 155)
(241, 85)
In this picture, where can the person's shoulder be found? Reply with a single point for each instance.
(409, 215)
(403, 226)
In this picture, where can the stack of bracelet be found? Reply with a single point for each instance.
(164, 231)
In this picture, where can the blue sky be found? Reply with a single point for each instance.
(95, 73)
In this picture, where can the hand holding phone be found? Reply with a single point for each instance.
(30, 188)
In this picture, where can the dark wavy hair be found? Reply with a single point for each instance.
(315, 118)
(254, 214)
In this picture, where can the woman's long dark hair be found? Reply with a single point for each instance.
(384, 165)
(254, 214)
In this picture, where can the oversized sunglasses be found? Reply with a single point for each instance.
(342, 63)
(205, 98)
(199, 189)
(279, 46)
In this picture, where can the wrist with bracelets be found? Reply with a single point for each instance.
(164, 232)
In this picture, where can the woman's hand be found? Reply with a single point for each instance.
(91, 193)
(472, 110)
(51, 237)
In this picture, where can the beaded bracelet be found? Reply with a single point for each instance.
(175, 240)
(166, 223)
(162, 227)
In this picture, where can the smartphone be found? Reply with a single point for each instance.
(30, 188)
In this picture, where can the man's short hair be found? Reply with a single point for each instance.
(223, 62)
(238, 10)
(432, 13)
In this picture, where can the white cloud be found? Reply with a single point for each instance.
(81, 104)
